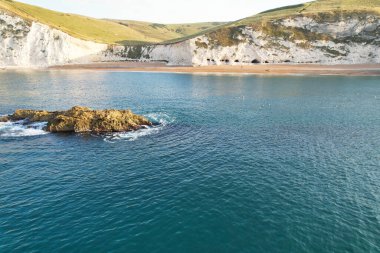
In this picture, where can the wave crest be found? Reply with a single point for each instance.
(159, 120)
(22, 129)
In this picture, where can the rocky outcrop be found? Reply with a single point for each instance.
(82, 119)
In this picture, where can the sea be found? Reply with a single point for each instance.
(234, 163)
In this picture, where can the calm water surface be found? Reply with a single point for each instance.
(238, 164)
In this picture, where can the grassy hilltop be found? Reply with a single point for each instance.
(225, 34)
(104, 31)
(166, 32)
(322, 10)
(316, 7)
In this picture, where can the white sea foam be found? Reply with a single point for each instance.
(20, 129)
(160, 120)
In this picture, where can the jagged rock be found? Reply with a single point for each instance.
(82, 119)
(32, 115)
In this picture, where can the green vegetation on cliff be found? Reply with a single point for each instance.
(314, 8)
(320, 10)
(224, 34)
(104, 31)
(165, 32)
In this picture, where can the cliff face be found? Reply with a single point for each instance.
(336, 38)
(31, 44)
(325, 38)
(173, 54)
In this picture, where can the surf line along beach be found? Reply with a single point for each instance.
(271, 69)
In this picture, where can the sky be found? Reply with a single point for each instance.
(164, 11)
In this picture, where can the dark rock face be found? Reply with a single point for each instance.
(82, 119)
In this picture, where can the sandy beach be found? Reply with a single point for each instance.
(270, 69)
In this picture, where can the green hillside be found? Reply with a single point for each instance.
(103, 31)
(164, 32)
(322, 10)
(316, 7)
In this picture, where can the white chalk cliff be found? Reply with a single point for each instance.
(346, 39)
(32, 44)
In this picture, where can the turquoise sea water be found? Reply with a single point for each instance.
(237, 164)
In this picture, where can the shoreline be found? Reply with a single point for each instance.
(259, 69)
(266, 69)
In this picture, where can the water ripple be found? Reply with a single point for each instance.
(292, 167)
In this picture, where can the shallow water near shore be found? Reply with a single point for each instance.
(236, 163)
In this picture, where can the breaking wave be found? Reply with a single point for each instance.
(21, 128)
(159, 120)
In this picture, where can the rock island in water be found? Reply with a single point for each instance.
(82, 119)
